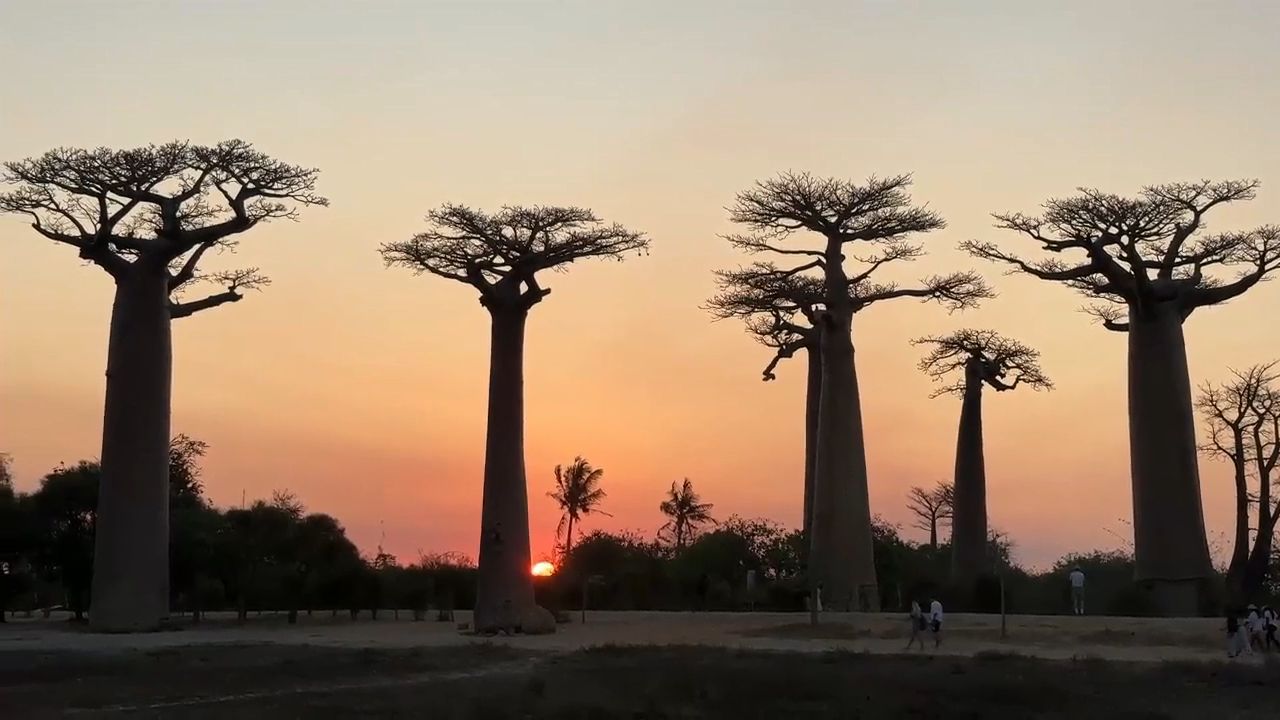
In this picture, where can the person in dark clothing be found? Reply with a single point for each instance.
(1269, 621)
(1236, 641)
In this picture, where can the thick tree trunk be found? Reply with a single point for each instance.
(1258, 565)
(1240, 551)
(812, 397)
(505, 586)
(841, 554)
(131, 553)
(969, 510)
(1171, 553)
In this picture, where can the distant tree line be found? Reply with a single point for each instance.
(270, 555)
(275, 556)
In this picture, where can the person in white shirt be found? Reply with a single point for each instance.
(1254, 626)
(1077, 590)
(935, 621)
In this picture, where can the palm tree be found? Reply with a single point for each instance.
(577, 493)
(687, 512)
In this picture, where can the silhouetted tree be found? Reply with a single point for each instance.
(185, 488)
(1149, 261)
(878, 215)
(287, 501)
(19, 537)
(66, 509)
(781, 312)
(6, 475)
(578, 493)
(978, 357)
(260, 544)
(147, 216)
(685, 511)
(931, 508)
(1244, 425)
(500, 255)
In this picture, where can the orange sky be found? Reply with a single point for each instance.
(363, 389)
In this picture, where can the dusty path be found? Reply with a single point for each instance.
(1050, 637)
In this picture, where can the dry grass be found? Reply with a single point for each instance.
(261, 682)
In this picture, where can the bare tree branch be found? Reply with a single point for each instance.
(957, 291)
(998, 361)
(1110, 316)
(235, 283)
(500, 253)
(1122, 241)
(157, 200)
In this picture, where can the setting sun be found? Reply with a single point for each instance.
(543, 569)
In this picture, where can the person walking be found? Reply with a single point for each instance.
(935, 621)
(918, 625)
(1077, 590)
(1253, 626)
(1269, 625)
(1235, 634)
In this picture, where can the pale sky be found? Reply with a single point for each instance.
(362, 389)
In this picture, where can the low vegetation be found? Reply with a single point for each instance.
(612, 682)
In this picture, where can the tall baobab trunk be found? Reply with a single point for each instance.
(969, 507)
(841, 557)
(1258, 564)
(812, 397)
(131, 551)
(1240, 552)
(505, 585)
(1172, 556)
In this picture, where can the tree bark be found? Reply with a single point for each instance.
(1171, 553)
(1258, 565)
(841, 555)
(969, 509)
(131, 552)
(813, 394)
(1240, 551)
(505, 585)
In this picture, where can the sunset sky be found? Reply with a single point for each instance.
(363, 389)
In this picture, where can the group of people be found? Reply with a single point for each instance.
(922, 622)
(1252, 629)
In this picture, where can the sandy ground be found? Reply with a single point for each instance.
(1051, 637)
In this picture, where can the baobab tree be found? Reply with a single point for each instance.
(1244, 429)
(147, 217)
(781, 312)
(500, 255)
(966, 361)
(880, 217)
(685, 512)
(1149, 263)
(578, 493)
(931, 508)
